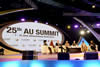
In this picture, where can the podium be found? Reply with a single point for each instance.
(27, 55)
(63, 56)
(91, 56)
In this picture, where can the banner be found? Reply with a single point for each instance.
(29, 35)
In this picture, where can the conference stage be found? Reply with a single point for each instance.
(16, 57)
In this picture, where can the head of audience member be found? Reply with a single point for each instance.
(45, 42)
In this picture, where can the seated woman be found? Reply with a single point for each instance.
(84, 48)
(93, 46)
(51, 47)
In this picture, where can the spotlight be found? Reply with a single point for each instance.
(88, 31)
(82, 32)
(23, 19)
(68, 27)
(35, 21)
(56, 24)
(98, 25)
(93, 6)
(76, 26)
(46, 23)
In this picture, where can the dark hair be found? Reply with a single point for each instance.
(45, 41)
(56, 44)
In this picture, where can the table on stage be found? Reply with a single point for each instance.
(74, 49)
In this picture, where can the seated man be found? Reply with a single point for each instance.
(57, 48)
(67, 45)
(62, 48)
(74, 44)
(44, 48)
(1, 51)
(93, 46)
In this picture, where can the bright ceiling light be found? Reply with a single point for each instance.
(82, 32)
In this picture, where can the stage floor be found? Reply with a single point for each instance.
(73, 56)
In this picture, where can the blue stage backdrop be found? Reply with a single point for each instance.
(83, 39)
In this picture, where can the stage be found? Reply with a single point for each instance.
(17, 57)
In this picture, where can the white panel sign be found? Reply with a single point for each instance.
(30, 35)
